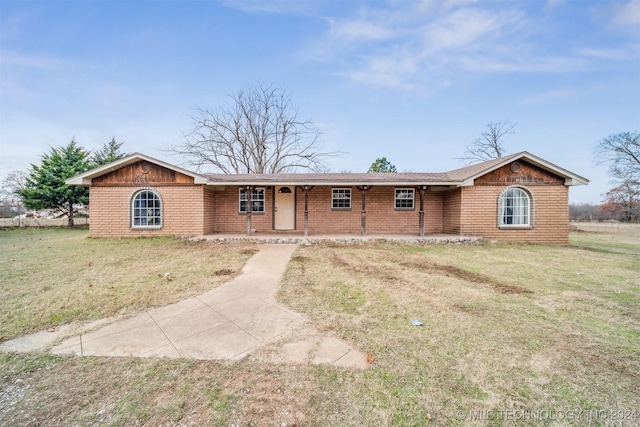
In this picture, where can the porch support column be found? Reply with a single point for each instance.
(249, 190)
(421, 189)
(363, 214)
(306, 190)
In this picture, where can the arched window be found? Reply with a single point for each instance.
(514, 208)
(146, 210)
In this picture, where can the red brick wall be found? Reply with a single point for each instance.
(182, 211)
(451, 211)
(549, 214)
(209, 203)
(229, 220)
(197, 210)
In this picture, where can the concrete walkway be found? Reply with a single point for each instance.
(229, 322)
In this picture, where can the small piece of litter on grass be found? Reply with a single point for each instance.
(416, 322)
(579, 273)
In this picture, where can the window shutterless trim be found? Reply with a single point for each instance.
(407, 198)
(515, 209)
(146, 210)
(257, 201)
(341, 199)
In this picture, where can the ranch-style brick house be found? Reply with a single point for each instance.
(518, 197)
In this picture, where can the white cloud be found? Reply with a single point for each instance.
(464, 27)
(36, 61)
(545, 97)
(409, 45)
(271, 6)
(358, 30)
(627, 15)
(552, 4)
(619, 54)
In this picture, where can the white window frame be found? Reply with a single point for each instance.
(341, 196)
(257, 200)
(402, 199)
(515, 208)
(143, 216)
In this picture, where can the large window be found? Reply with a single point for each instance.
(255, 202)
(341, 198)
(514, 208)
(404, 198)
(146, 210)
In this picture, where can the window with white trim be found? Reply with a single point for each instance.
(255, 202)
(514, 208)
(340, 198)
(146, 210)
(404, 198)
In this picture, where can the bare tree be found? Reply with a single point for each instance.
(260, 134)
(11, 192)
(623, 201)
(622, 153)
(489, 145)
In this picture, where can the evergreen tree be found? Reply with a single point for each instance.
(382, 165)
(110, 152)
(45, 187)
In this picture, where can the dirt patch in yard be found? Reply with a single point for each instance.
(383, 272)
(225, 272)
(468, 276)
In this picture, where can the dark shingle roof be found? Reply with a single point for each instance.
(331, 178)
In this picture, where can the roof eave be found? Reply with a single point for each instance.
(332, 183)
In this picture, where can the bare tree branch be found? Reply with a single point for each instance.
(489, 145)
(622, 153)
(260, 134)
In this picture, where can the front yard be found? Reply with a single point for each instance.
(512, 334)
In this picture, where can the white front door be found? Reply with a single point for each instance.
(284, 208)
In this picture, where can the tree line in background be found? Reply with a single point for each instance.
(43, 186)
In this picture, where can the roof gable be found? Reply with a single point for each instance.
(87, 177)
(468, 174)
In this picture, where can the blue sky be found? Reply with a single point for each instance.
(415, 81)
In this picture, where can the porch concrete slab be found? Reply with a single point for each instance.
(191, 323)
(184, 306)
(223, 342)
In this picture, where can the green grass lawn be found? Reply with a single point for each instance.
(513, 334)
(51, 276)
